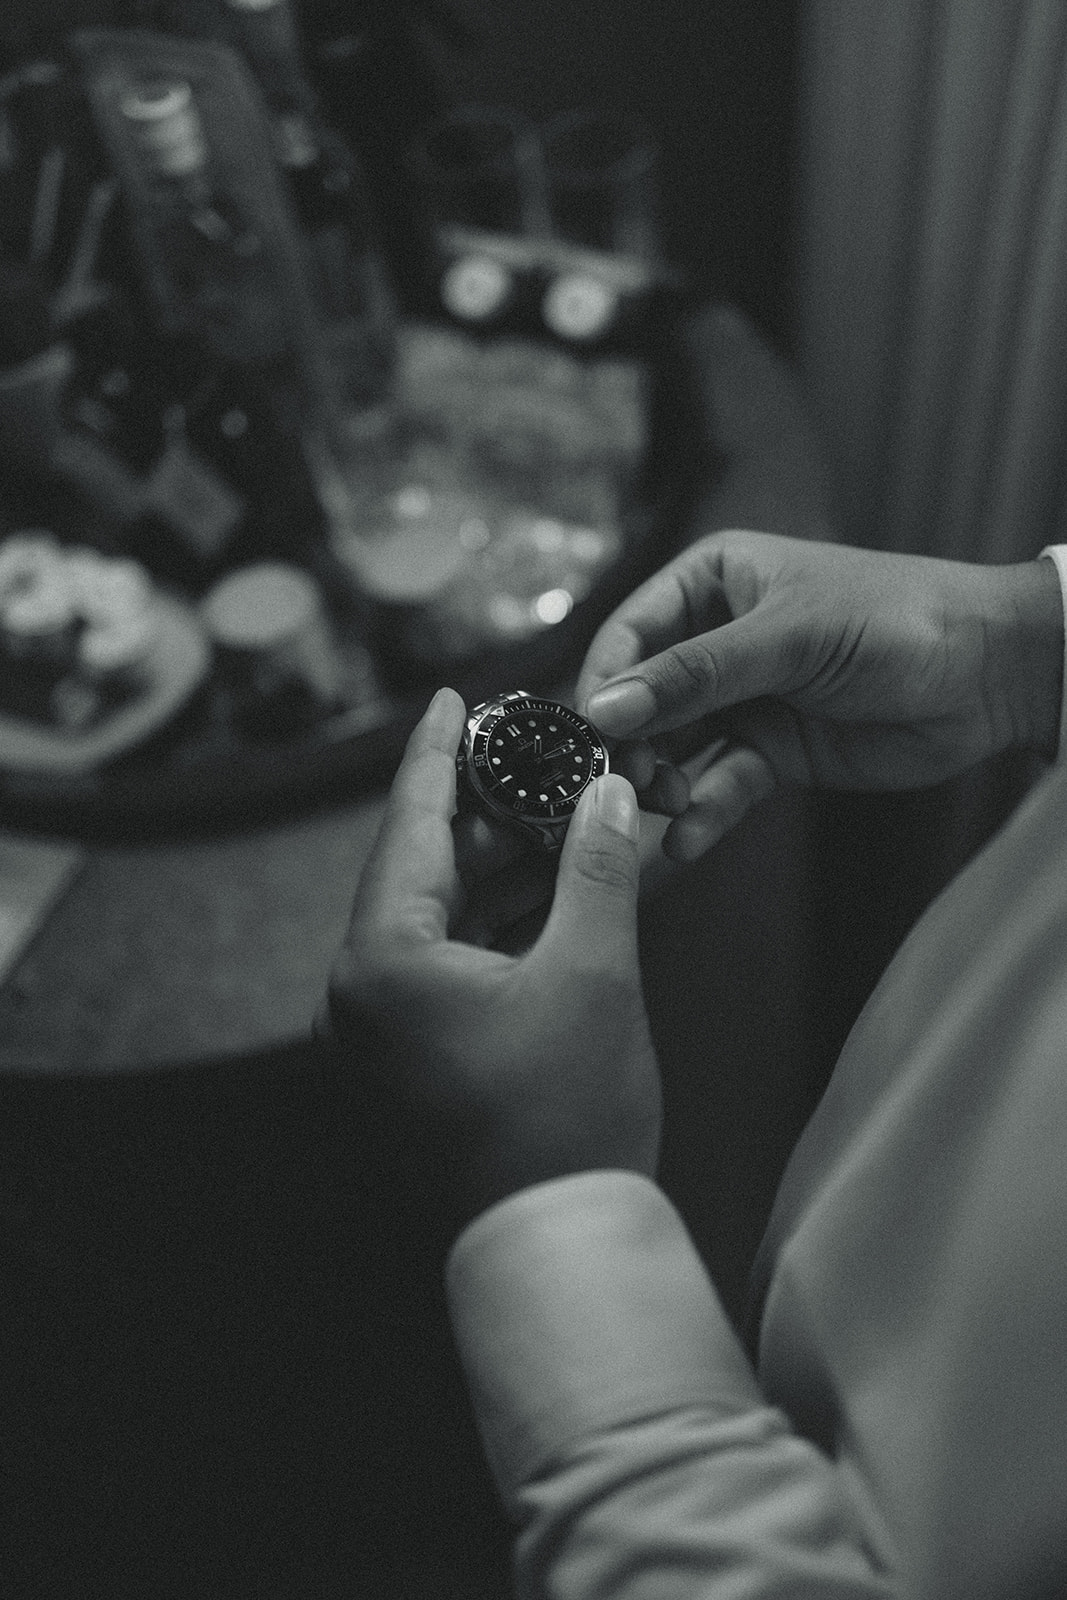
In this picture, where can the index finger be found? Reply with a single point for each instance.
(684, 597)
(409, 882)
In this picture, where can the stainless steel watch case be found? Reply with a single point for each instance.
(548, 833)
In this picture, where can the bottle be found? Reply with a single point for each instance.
(222, 487)
(115, 395)
(40, 444)
(213, 254)
(126, 430)
(346, 269)
(169, 133)
(35, 368)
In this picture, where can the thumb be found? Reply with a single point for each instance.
(594, 909)
(741, 660)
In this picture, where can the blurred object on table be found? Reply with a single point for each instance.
(93, 658)
(480, 167)
(602, 186)
(354, 473)
(36, 380)
(353, 301)
(280, 667)
(160, 445)
(35, 368)
(548, 230)
(503, 499)
(265, 266)
(479, 171)
(189, 140)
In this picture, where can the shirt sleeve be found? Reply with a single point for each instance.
(622, 1421)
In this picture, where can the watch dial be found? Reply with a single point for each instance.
(536, 757)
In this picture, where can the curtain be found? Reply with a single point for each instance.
(932, 268)
(931, 334)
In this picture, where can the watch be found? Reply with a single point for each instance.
(525, 762)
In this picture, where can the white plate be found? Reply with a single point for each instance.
(178, 664)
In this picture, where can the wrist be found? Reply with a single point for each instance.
(1032, 654)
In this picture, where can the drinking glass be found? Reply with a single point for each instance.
(601, 183)
(480, 167)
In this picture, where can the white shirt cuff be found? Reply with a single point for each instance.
(1057, 554)
(582, 1304)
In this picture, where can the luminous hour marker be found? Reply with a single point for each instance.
(498, 741)
(496, 761)
(531, 723)
(507, 778)
(552, 728)
(544, 797)
(521, 793)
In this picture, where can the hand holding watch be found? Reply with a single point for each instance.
(525, 762)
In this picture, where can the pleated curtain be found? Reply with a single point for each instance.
(932, 268)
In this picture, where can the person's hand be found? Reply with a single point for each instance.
(766, 660)
(506, 887)
(489, 1072)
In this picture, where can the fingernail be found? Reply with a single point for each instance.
(616, 806)
(622, 708)
(439, 700)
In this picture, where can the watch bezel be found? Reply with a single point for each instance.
(546, 821)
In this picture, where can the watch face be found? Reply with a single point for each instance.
(533, 758)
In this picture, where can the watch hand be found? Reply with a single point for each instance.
(553, 777)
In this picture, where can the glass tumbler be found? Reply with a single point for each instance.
(601, 183)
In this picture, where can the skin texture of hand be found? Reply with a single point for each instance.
(491, 1072)
(753, 660)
